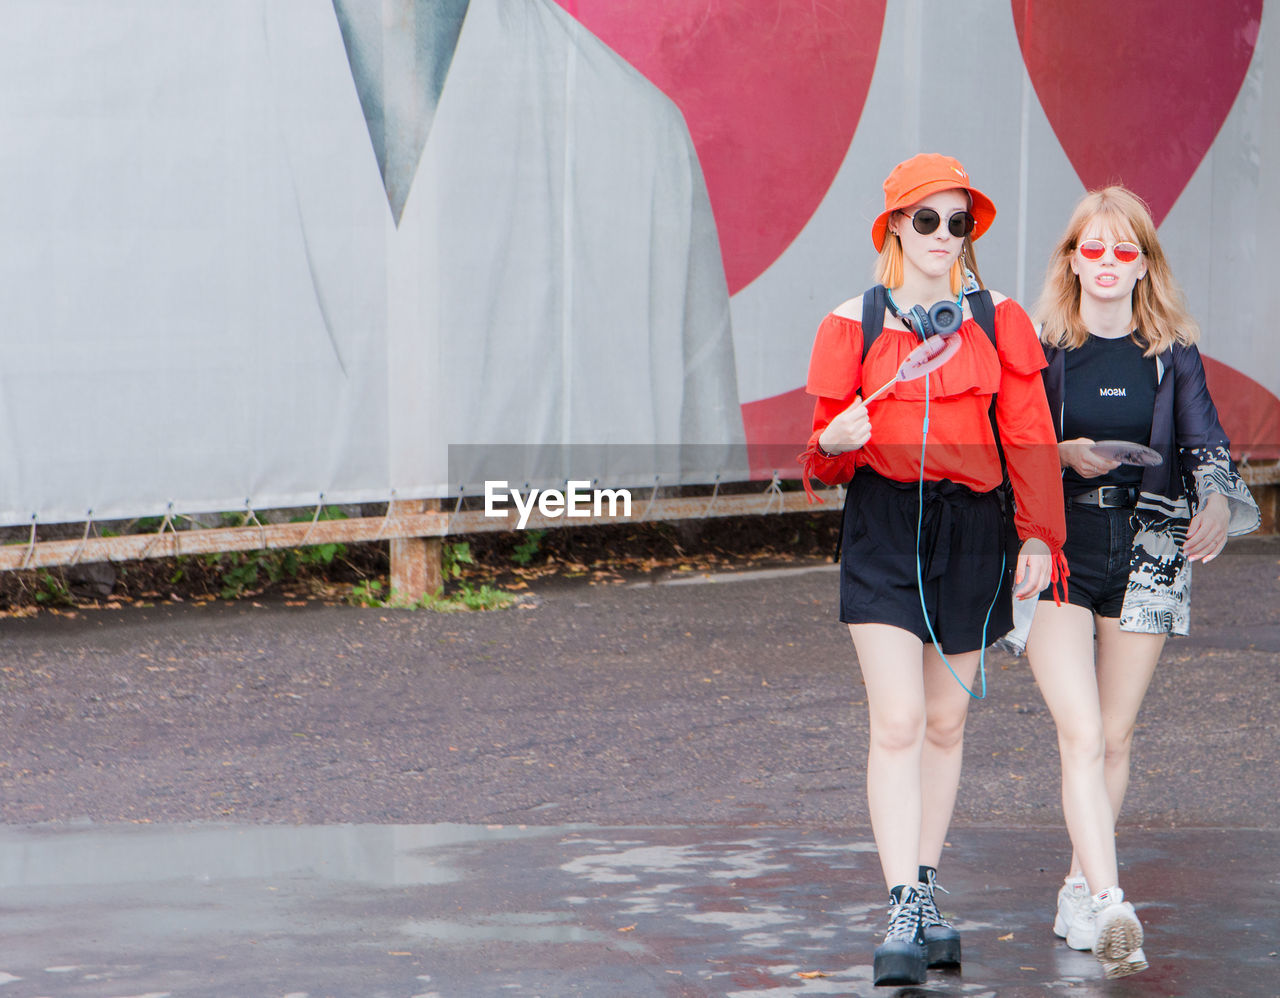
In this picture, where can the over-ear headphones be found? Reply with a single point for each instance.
(942, 319)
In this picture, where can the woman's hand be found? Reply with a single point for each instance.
(848, 431)
(1207, 535)
(1076, 455)
(1035, 568)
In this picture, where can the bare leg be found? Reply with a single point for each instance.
(1126, 663)
(890, 659)
(1060, 650)
(946, 708)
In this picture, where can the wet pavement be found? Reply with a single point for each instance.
(455, 910)
(644, 790)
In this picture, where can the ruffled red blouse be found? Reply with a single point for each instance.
(960, 445)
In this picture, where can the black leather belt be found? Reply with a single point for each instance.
(1109, 497)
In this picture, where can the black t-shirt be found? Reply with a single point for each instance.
(1110, 393)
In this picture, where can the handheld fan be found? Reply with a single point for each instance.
(928, 356)
(1127, 452)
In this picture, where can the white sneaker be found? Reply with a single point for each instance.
(1118, 942)
(1132, 964)
(1074, 903)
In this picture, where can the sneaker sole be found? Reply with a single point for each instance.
(1134, 963)
(943, 951)
(1118, 939)
(907, 965)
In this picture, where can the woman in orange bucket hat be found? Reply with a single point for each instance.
(928, 566)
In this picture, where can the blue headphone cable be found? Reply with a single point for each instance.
(982, 657)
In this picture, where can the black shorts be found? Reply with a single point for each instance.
(964, 572)
(1099, 550)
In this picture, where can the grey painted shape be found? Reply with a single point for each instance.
(400, 52)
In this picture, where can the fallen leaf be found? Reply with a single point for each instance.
(627, 928)
(1005, 939)
(809, 975)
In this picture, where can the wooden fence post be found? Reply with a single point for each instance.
(416, 562)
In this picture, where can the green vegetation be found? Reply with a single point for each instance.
(52, 591)
(527, 547)
(240, 572)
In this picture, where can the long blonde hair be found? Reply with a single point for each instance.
(889, 267)
(1159, 309)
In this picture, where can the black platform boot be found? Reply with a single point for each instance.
(901, 958)
(941, 940)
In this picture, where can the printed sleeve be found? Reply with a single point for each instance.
(1203, 448)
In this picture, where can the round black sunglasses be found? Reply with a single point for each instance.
(926, 220)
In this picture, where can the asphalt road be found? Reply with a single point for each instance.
(667, 699)
(648, 789)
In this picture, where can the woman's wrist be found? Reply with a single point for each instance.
(823, 452)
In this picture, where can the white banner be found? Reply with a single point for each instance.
(266, 251)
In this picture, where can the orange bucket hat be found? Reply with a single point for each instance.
(923, 174)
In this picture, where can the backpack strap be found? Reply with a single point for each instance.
(984, 311)
(874, 302)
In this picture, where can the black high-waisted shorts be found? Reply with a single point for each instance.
(1099, 549)
(967, 579)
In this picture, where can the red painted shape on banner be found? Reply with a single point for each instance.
(778, 429)
(1137, 91)
(1248, 411)
(771, 92)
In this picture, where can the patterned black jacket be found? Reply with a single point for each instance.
(1197, 463)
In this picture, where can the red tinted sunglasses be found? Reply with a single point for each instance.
(1094, 249)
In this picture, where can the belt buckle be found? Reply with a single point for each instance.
(1102, 496)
